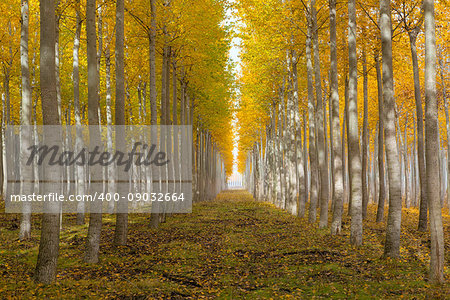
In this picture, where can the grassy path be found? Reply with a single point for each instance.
(230, 248)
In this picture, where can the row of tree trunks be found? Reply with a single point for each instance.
(365, 178)
(366, 175)
(209, 169)
(392, 244)
(276, 162)
(338, 188)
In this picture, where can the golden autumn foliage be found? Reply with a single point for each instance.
(270, 27)
(196, 33)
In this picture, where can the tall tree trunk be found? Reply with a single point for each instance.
(95, 216)
(392, 244)
(347, 173)
(99, 56)
(405, 158)
(343, 143)
(109, 121)
(152, 65)
(432, 147)
(441, 171)
(272, 158)
(322, 162)
(375, 183)
(284, 144)
(291, 109)
(175, 130)
(382, 190)
(399, 138)
(163, 120)
(415, 165)
(57, 60)
(49, 243)
(338, 188)
(120, 233)
(325, 137)
(305, 155)
(169, 148)
(282, 150)
(299, 153)
(365, 184)
(154, 218)
(25, 140)
(354, 157)
(79, 170)
(168, 121)
(312, 129)
(330, 146)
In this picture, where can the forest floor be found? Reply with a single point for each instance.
(233, 247)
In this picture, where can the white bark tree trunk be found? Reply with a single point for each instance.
(354, 157)
(26, 138)
(109, 142)
(300, 159)
(95, 219)
(321, 155)
(291, 109)
(338, 188)
(312, 128)
(382, 190)
(432, 147)
(365, 163)
(392, 244)
(423, 217)
(79, 170)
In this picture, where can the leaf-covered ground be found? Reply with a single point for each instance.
(230, 248)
